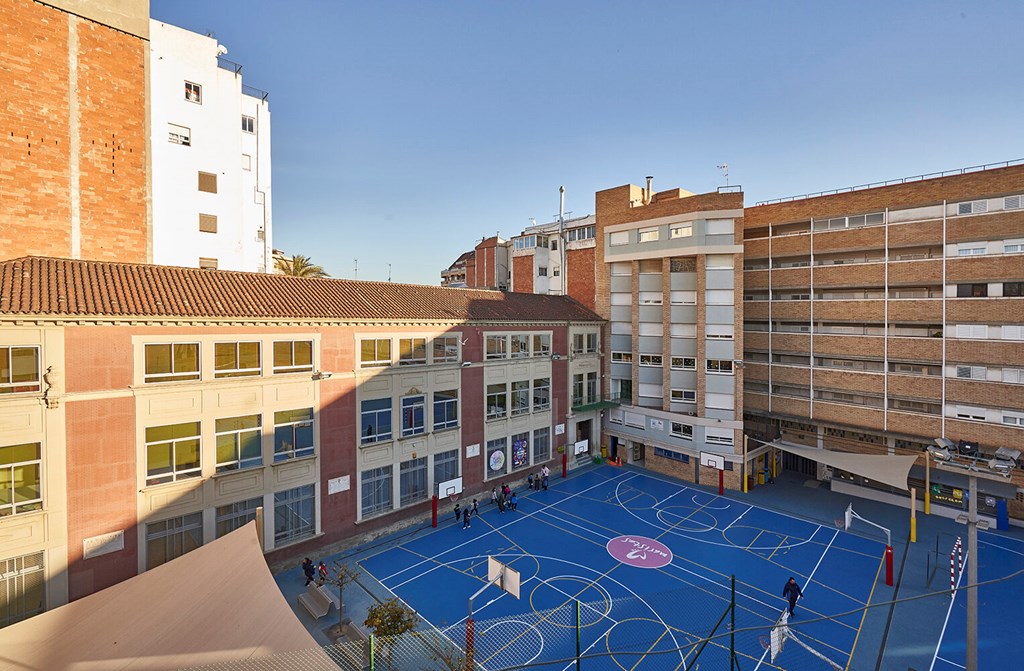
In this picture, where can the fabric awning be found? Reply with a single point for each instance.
(218, 603)
(891, 470)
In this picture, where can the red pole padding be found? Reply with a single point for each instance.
(565, 461)
(888, 565)
(433, 511)
(721, 482)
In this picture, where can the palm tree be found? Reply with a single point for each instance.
(299, 266)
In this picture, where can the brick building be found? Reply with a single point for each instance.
(73, 154)
(541, 251)
(487, 266)
(147, 409)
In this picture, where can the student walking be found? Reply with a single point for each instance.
(529, 482)
(309, 570)
(458, 512)
(501, 502)
(476, 510)
(513, 501)
(536, 483)
(322, 572)
(494, 495)
(544, 472)
(465, 518)
(792, 590)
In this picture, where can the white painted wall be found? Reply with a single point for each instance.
(242, 204)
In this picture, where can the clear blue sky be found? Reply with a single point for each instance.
(403, 132)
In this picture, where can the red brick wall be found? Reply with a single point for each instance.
(522, 274)
(581, 275)
(98, 359)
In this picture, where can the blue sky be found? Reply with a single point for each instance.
(403, 132)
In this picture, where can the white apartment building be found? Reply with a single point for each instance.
(538, 256)
(210, 157)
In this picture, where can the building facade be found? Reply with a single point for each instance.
(556, 258)
(74, 130)
(211, 157)
(160, 407)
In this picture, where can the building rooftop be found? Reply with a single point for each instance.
(40, 286)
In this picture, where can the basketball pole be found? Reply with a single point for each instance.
(577, 635)
(433, 511)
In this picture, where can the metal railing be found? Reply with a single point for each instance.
(236, 68)
(892, 182)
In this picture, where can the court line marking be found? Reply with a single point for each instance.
(949, 611)
(749, 508)
(952, 663)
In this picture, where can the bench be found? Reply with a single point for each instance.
(316, 600)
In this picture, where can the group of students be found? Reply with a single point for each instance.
(464, 515)
(502, 497)
(540, 480)
(314, 572)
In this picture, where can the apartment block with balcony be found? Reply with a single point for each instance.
(669, 282)
(879, 319)
(556, 258)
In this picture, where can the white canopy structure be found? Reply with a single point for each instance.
(888, 469)
(218, 603)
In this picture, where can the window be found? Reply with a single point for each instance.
(1012, 332)
(972, 207)
(520, 345)
(236, 359)
(720, 227)
(1013, 289)
(719, 261)
(541, 445)
(684, 363)
(246, 162)
(622, 269)
(375, 490)
(584, 343)
(718, 296)
(577, 390)
(972, 331)
(172, 453)
(681, 231)
(411, 351)
(718, 331)
(236, 515)
(1013, 375)
(446, 349)
(618, 238)
(412, 481)
(1013, 202)
(22, 584)
(208, 182)
(971, 290)
(622, 357)
(582, 233)
(413, 415)
(520, 456)
(375, 419)
(970, 251)
(179, 135)
(170, 539)
(718, 436)
(294, 514)
(650, 298)
(446, 409)
(719, 366)
(497, 400)
(653, 360)
(21, 484)
(207, 223)
(446, 466)
(635, 420)
(293, 434)
(520, 397)
(967, 412)
(193, 93)
(542, 271)
(497, 463)
(592, 396)
(293, 356)
(683, 396)
(680, 430)
(525, 242)
(1013, 418)
(248, 124)
(542, 344)
(171, 363)
(1013, 247)
(971, 372)
(207, 263)
(669, 454)
(648, 234)
(541, 393)
(375, 353)
(497, 347)
(19, 370)
(683, 297)
(239, 443)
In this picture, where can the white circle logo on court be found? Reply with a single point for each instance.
(640, 551)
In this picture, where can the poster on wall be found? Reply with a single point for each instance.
(520, 454)
(336, 485)
(473, 450)
(559, 429)
(657, 424)
(497, 460)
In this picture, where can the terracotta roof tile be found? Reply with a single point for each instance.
(50, 286)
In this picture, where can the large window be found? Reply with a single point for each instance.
(293, 356)
(592, 395)
(541, 393)
(172, 453)
(376, 420)
(172, 362)
(584, 343)
(542, 344)
(239, 443)
(680, 430)
(684, 363)
(21, 486)
(577, 390)
(236, 359)
(446, 349)
(170, 539)
(541, 445)
(446, 409)
(412, 481)
(294, 515)
(22, 588)
(375, 490)
(719, 366)
(497, 347)
(19, 370)
(497, 461)
(414, 421)
(497, 400)
(236, 515)
(446, 466)
(293, 434)
(375, 353)
(412, 351)
(520, 345)
(520, 397)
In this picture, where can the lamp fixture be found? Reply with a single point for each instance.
(322, 375)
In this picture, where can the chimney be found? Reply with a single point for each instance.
(649, 193)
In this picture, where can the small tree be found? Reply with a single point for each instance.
(299, 266)
(343, 575)
(389, 620)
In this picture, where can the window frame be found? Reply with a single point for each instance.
(495, 347)
(409, 358)
(291, 366)
(296, 496)
(650, 360)
(237, 371)
(414, 415)
(193, 92)
(683, 360)
(647, 234)
(251, 125)
(681, 430)
(232, 516)
(495, 400)
(188, 527)
(173, 375)
(18, 505)
(719, 366)
(445, 342)
(378, 436)
(381, 479)
(376, 358)
(684, 396)
(175, 473)
(7, 365)
(541, 384)
(413, 486)
(295, 452)
(520, 395)
(445, 409)
(238, 463)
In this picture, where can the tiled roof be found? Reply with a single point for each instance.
(56, 287)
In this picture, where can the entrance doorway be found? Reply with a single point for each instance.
(583, 433)
(639, 450)
(802, 465)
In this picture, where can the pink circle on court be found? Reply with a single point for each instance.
(640, 551)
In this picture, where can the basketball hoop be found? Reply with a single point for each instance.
(766, 641)
(454, 498)
(841, 523)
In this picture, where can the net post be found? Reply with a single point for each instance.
(433, 511)
(371, 644)
(577, 635)
(888, 565)
(732, 623)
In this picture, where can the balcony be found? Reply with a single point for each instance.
(584, 404)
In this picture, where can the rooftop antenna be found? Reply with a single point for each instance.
(725, 172)
(533, 221)
(561, 240)
(389, 272)
(357, 268)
